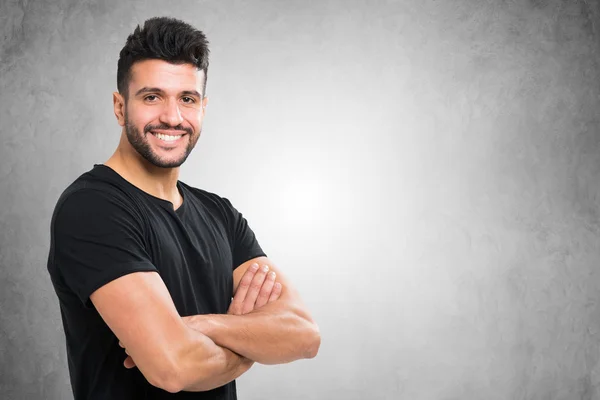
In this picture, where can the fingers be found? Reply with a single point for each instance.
(240, 295)
(129, 363)
(121, 344)
(254, 289)
(265, 290)
(276, 292)
(257, 287)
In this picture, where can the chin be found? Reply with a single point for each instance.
(166, 163)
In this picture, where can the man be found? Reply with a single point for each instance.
(143, 262)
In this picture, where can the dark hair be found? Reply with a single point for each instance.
(166, 39)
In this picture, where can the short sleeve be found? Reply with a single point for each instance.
(244, 244)
(98, 237)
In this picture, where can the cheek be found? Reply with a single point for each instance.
(142, 117)
(194, 118)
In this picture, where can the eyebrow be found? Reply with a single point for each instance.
(159, 90)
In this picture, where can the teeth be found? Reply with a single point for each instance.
(166, 138)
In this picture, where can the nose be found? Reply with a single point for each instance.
(171, 114)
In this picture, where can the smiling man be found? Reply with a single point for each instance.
(163, 288)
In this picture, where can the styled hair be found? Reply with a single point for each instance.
(162, 38)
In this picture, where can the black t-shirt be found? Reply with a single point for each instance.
(102, 228)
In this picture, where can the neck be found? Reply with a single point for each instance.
(156, 181)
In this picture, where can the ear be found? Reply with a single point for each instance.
(119, 108)
(204, 103)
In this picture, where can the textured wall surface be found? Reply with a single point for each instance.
(427, 172)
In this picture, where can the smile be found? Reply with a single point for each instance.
(166, 138)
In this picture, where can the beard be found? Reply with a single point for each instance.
(139, 141)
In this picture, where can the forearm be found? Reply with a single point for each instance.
(206, 365)
(274, 334)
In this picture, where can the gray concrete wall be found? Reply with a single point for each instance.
(427, 172)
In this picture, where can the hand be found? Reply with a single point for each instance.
(257, 288)
(129, 363)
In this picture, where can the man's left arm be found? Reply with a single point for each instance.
(278, 332)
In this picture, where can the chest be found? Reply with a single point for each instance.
(191, 250)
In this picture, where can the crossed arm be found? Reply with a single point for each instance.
(274, 332)
(266, 322)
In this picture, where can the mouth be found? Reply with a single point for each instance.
(168, 136)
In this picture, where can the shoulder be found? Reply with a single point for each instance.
(106, 184)
(89, 203)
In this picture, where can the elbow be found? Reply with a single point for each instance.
(197, 375)
(170, 386)
(164, 375)
(166, 380)
(310, 338)
(313, 342)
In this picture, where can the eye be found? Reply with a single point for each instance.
(188, 100)
(151, 98)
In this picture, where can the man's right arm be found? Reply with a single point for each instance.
(172, 356)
